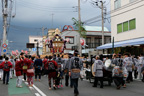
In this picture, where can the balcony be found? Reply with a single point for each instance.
(93, 45)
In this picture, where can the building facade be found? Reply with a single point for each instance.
(35, 40)
(127, 25)
(93, 38)
(127, 19)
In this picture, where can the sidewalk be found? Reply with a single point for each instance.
(12, 90)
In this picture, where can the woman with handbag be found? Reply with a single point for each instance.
(30, 72)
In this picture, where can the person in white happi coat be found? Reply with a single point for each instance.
(12, 69)
(98, 71)
(128, 64)
(140, 64)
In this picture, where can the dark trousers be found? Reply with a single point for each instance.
(129, 78)
(135, 74)
(143, 78)
(67, 77)
(96, 79)
(75, 84)
(66, 80)
(118, 81)
(24, 74)
(37, 72)
(6, 75)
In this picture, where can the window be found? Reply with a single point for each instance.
(119, 28)
(125, 26)
(117, 4)
(132, 1)
(71, 40)
(88, 40)
(132, 24)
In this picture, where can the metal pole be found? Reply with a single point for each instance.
(37, 48)
(42, 31)
(5, 14)
(52, 20)
(79, 16)
(102, 24)
(113, 46)
(102, 7)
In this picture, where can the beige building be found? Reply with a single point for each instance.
(127, 19)
(127, 26)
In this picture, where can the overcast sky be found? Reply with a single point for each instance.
(31, 15)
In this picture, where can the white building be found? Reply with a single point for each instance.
(93, 38)
(127, 19)
(35, 40)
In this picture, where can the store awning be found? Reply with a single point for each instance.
(131, 42)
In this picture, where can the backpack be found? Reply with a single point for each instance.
(76, 63)
(59, 61)
(6, 66)
(51, 66)
(116, 71)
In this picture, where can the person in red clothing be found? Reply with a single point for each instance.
(18, 69)
(30, 72)
(25, 66)
(51, 66)
(6, 65)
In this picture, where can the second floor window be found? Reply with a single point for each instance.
(132, 1)
(117, 4)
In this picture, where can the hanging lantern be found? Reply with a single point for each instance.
(82, 42)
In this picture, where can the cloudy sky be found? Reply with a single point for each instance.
(32, 15)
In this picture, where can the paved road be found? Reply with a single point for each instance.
(135, 88)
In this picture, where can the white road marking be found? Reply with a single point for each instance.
(37, 94)
(36, 88)
(39, 91)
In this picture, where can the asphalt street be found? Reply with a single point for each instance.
(135, 88)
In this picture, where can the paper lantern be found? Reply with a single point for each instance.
(82, 42)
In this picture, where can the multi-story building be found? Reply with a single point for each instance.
(93, 38)
(127, 19)
(127, 25)
(35, 40)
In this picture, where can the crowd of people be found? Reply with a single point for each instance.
(123, 67)
(55, 67)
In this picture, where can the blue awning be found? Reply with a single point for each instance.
(138, 41)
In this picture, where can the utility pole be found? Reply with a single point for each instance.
(102, 7)
(52, 19)
(79, 16)
(43, 30)
(5, 15)
(37, 48)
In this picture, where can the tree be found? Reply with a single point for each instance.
(81, 31)
(79, 27)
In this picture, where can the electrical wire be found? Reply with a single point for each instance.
(110, 12)
(42, 6)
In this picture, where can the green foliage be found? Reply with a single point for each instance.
(80, 28)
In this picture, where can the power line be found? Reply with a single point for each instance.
(110, 12)
(117, 14)
(42, 6)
